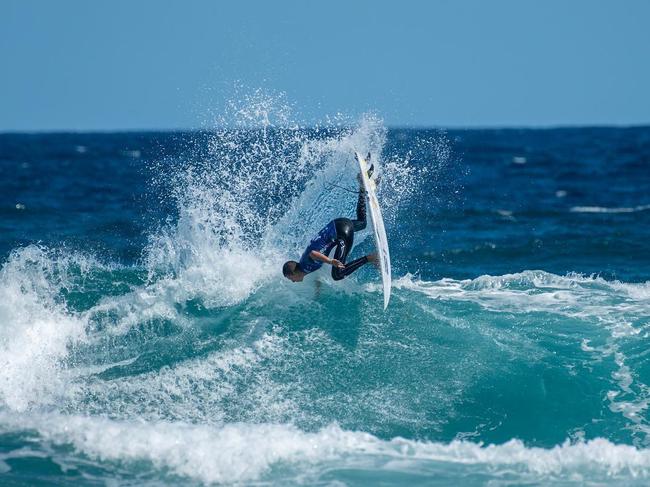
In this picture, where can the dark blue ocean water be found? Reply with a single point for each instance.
(147, 334)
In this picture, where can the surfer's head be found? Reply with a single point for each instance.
(292, 271)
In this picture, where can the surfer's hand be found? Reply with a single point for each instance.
(337, 263)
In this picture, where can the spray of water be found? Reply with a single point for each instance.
(247, 197)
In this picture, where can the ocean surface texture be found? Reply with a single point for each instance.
(147, 335)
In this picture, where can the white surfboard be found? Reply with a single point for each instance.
(378, 228)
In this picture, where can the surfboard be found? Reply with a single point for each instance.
(378, 228)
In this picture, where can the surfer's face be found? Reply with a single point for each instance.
(296, 276)
(292, 272)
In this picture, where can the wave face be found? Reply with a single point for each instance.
(147, 335)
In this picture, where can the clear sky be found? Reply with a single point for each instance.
(138, 64)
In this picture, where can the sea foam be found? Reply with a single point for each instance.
(246, 452)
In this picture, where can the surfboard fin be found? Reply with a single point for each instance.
(356, 157)
(370, 170)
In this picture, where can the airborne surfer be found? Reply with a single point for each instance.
(338, 234)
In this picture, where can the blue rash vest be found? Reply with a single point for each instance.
(323, 243)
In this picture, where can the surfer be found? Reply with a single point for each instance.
(338, 234)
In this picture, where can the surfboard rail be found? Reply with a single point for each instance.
(379, 230)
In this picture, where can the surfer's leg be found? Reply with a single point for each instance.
(360, 222)
(344, 231)
(341, 252)
(344, 240)
(349, 268)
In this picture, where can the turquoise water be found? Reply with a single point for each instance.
(147, 335)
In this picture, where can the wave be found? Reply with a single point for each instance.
(605, 319)
(242, 209)
(536, 290)
(246, 452)
(254, 398)
(203, 362)
(36, 328)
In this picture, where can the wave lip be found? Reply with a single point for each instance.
(246, 452)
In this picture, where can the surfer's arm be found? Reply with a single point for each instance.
(316, 255)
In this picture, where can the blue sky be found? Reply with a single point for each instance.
(91, 65)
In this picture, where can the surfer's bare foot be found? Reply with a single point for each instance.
(373, 259)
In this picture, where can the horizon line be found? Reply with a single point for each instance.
(311, 127)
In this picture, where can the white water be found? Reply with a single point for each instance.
(246, 452)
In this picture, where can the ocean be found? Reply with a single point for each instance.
(148, 337)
